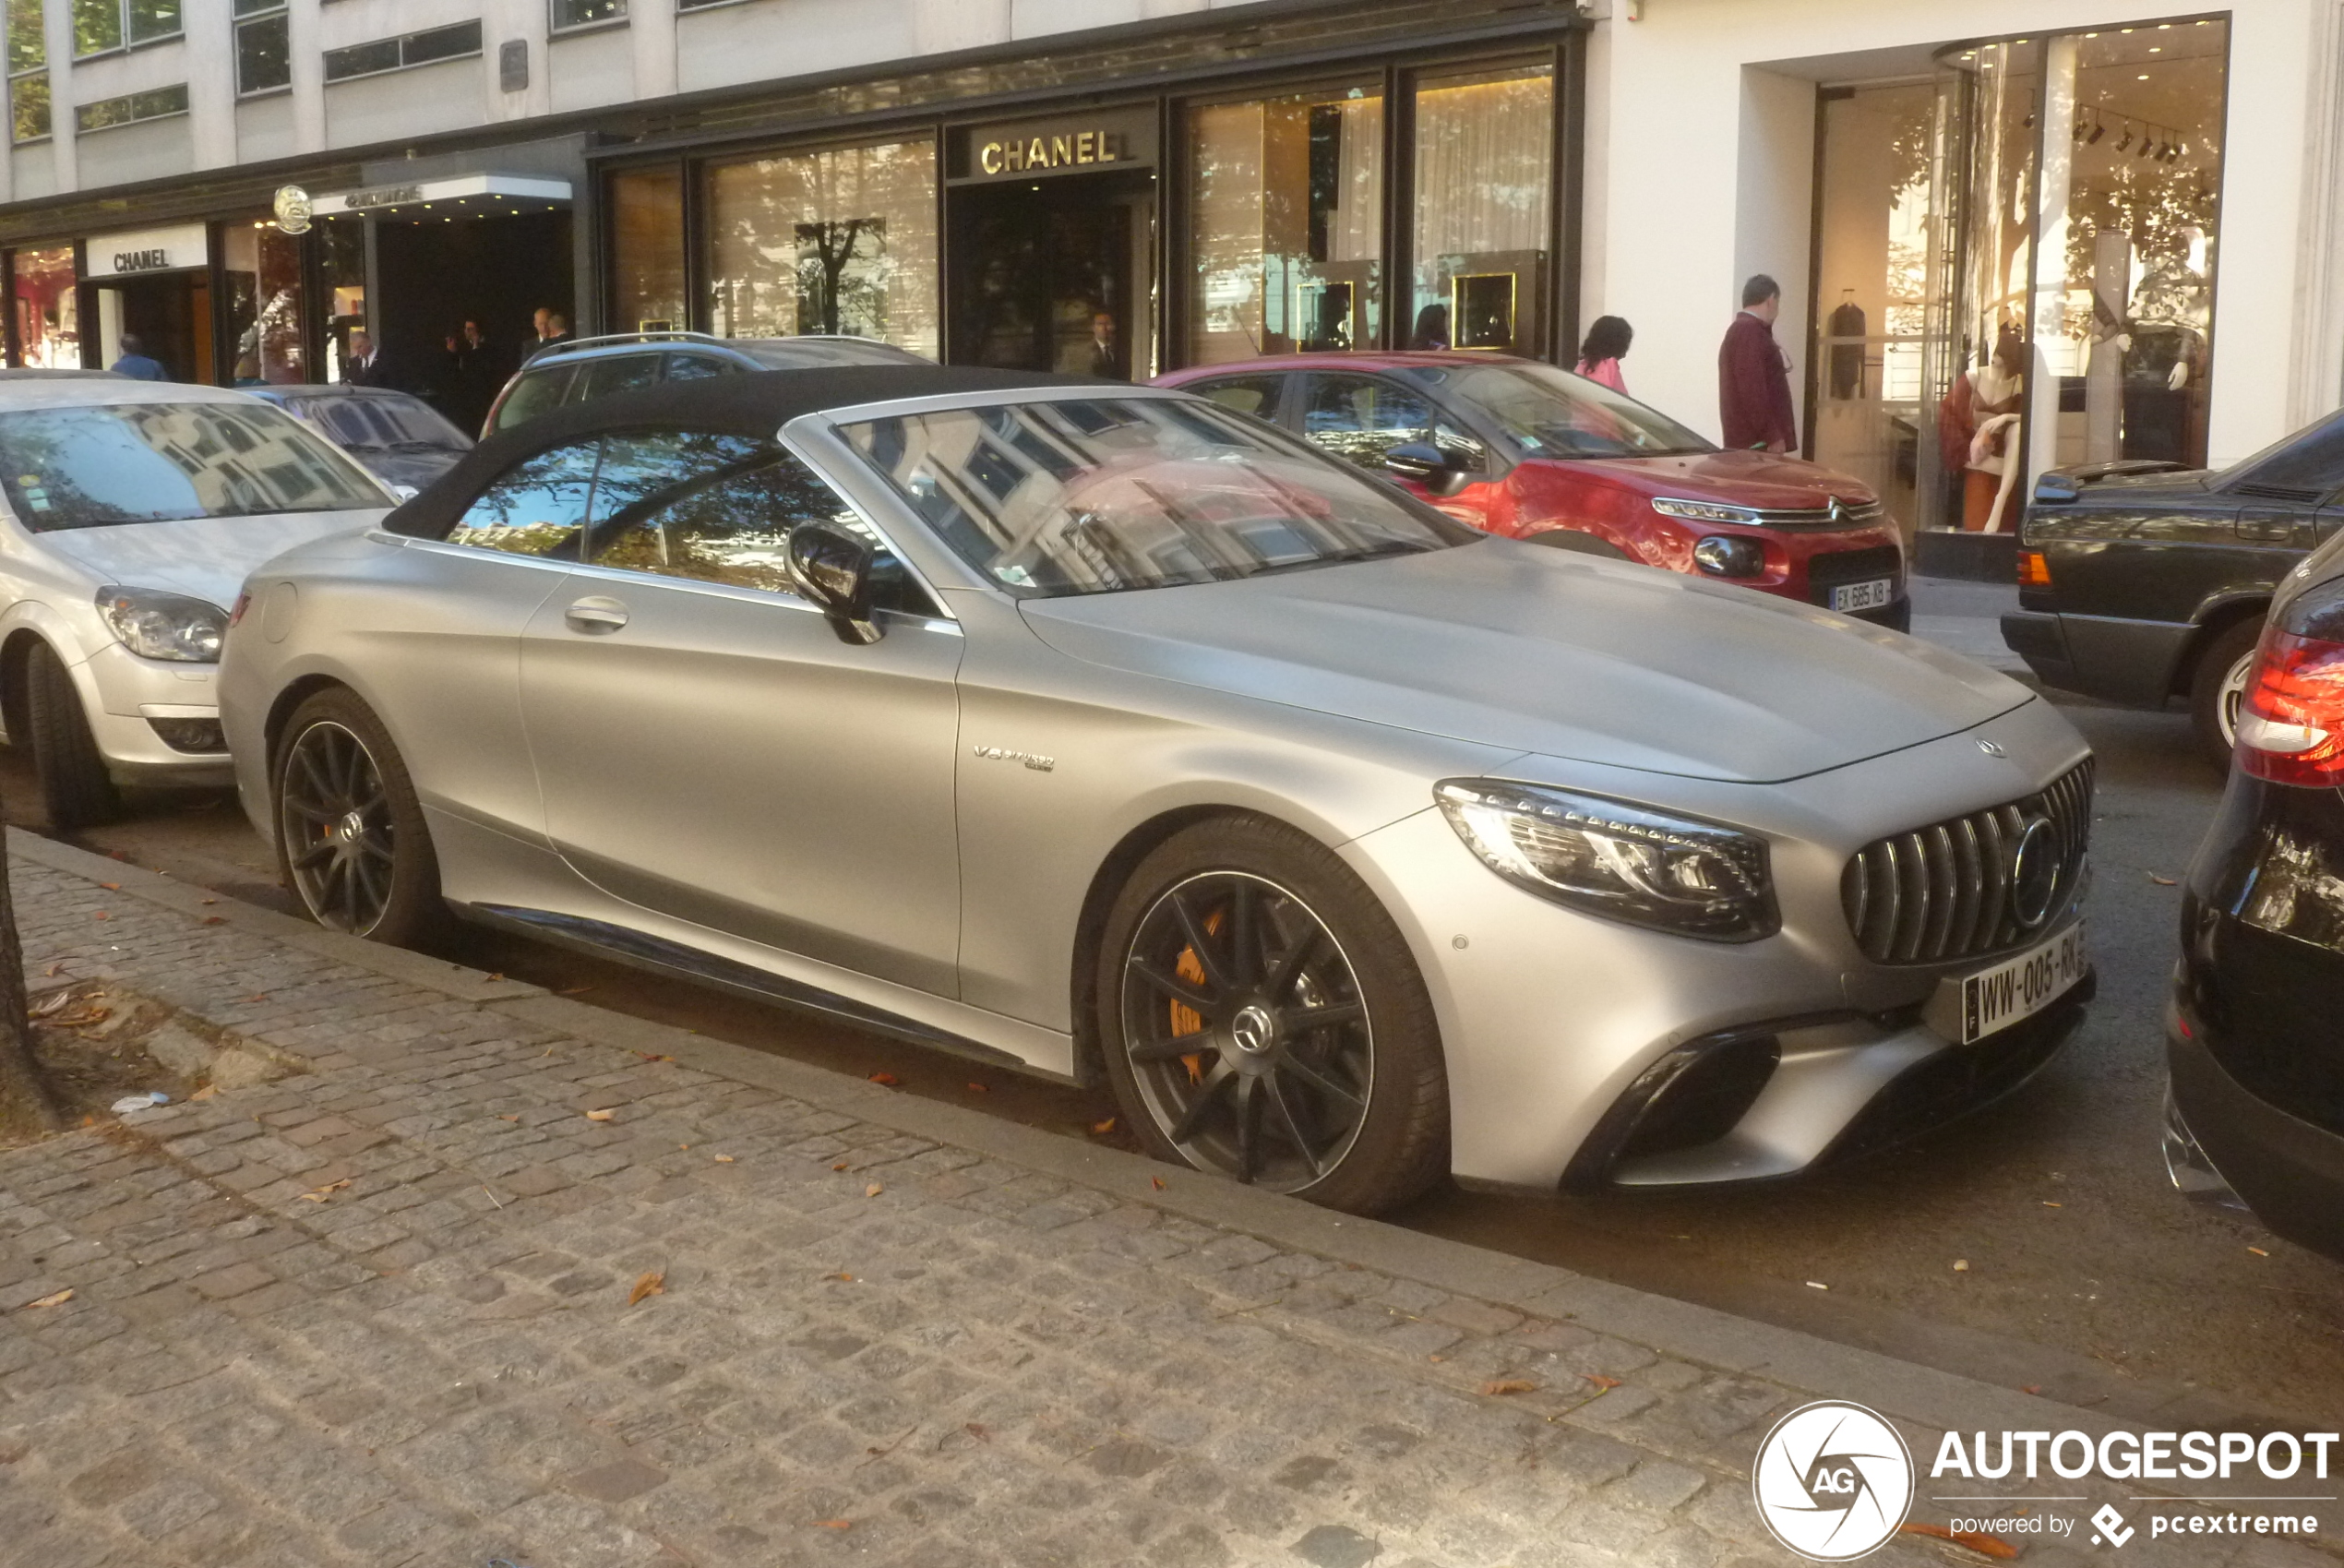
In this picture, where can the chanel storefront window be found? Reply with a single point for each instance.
(1285, 214)
(47, 303)
(1484, 179)
(837, 241)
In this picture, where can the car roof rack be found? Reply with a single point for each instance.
(663, 336)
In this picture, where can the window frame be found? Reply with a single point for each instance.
(247, 16)
(82, 125)
(557, 28)
(35, 69)
(125, 38)
(401, 42)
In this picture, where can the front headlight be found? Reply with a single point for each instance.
(1702, 512)
(155, 625)
(1630, 863)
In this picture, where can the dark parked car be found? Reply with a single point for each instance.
(2139, 582)
(578, 370)
(2255, 1035)
(1534, 453)
(396, 436)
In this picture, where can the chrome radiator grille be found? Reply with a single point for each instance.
(1962, 889)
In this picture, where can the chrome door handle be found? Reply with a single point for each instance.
(595, 616)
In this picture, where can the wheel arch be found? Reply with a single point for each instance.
(1114, 869)
(281, 709)
(2212, 622)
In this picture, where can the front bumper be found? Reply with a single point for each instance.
(1551, 1019)
(123, 695)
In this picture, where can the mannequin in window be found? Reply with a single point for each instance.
(1847, 349)
(1997, 390)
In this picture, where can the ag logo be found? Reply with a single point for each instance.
(1833, 1481)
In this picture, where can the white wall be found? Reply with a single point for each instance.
(1705, 176)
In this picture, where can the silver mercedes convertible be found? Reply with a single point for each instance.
(1093, 729)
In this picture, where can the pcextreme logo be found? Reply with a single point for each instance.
(1833, 1481)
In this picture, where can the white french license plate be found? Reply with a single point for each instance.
(2022, 986)
(1875, 595)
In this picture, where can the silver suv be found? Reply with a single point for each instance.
(578, 370)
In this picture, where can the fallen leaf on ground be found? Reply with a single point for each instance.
(1104, 1127)
(56, 1001)
(59, 1300)
(873, 1190)
(1961, 1265)
(2160, 882)
(1436, 1358)
(319, 1194)
(215, 919)
(599, 1115)
(2048, 1204)
(262, 997)
(654, 1056)
(724, 1159)
(205, 1092)
(1510, 1385)
(1159, 1182)
(509, 1118)
(2258, 1251)
(886, 1080)
(840, 1165)
(496, 976)
(847, 1278)
(575, 991)
(1600, 1380)
(207, 900)
(53, 971)
(833, 1523)
(1976, 1540)
(103, 915)
(976, 1088)
(111, 887)
(2032, 1388)
(976, 1429)
(1817, 1285)
(653, 1283)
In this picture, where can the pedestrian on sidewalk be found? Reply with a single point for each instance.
(1606, 346)
(1753, 375)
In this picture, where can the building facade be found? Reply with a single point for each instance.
(1129, 185)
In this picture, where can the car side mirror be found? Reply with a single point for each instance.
(832, 570)
(405, 492)
(1441, 474)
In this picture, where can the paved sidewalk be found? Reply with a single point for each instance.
(376, 1312)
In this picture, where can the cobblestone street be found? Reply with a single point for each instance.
(377, 1311)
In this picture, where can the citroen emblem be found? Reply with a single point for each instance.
(1838, 512)
(1990, 750)
(2035, 872)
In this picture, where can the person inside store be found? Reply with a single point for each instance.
(1606, 346)
(135, 362)
(365, 367)
(1432, 327)
(472, 376)
(541, 327)
(556, 329)
(1103, 356)
(1997, 389)
(1753, 375)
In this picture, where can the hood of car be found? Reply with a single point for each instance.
(204, 557)
(414, 469)
(1509, 645)
(1742, 479)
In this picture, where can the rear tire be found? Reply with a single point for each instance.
(75, 789)
(2218, 683)
(1316, 1066)
(351, 843)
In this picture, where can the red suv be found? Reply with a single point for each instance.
(1524, 450)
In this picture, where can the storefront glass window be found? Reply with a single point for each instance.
(1287, 211)
(840, 241)
(341, 246)
(1483, 178)
(647, 250)
(48, 324)
(263, 266)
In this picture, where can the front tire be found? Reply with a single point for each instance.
(75, 790)
(2218, 685)
(350, 840)
(1261, 1016)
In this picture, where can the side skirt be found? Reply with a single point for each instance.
(638, 950)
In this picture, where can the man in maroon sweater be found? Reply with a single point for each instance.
(1754, 374)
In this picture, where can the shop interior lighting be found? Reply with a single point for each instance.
(2100, 129)
(2124, 142)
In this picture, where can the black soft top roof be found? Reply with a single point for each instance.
(757, 403)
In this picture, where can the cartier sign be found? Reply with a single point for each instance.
(1110, 140)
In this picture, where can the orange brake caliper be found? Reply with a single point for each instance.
(1186, 1019)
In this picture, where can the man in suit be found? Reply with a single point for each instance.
(1103, 356)
(1753, 375)
(365, 367)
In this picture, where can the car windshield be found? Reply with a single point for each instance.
(1100, 495)
(1552, 414)
(158, 462)
(385, 422)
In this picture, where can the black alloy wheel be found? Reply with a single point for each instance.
(1263, 1019)
(350, 840)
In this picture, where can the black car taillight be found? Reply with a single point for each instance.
(2290, 720)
